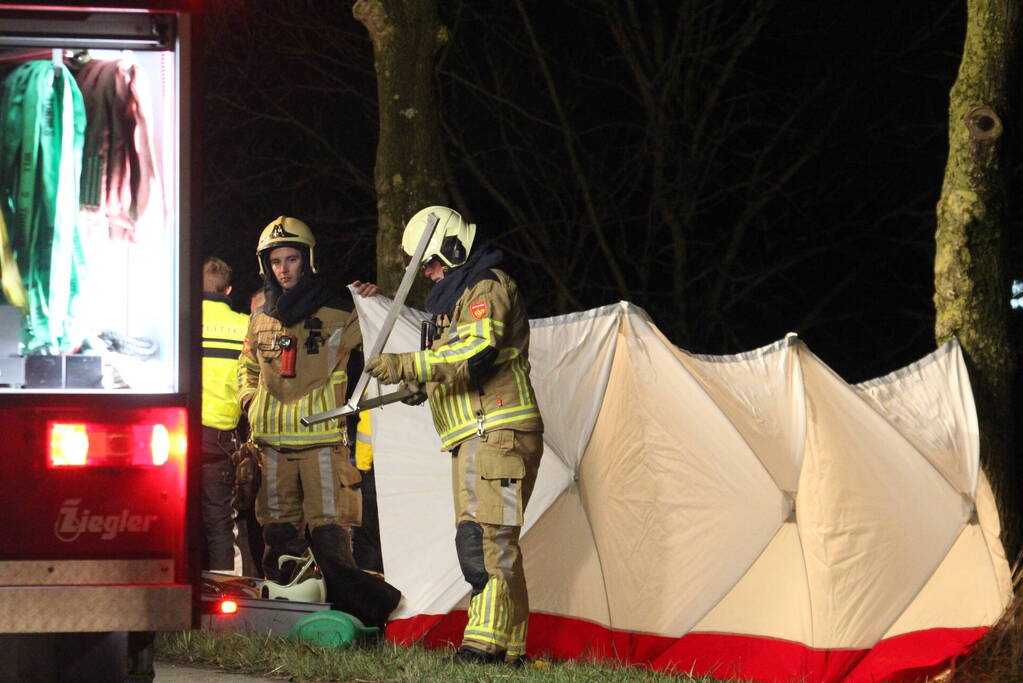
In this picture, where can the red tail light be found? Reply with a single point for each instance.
(158, 436)
(69, 444)
(228, 606)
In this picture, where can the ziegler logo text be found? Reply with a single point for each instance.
(73, 522)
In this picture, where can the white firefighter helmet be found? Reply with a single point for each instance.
(312, 589)
(285, 231)
(306, 584)
(452, 239)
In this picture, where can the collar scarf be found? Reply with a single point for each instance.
(295, 304)
(445, 294)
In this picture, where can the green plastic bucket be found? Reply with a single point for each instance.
(330, 628)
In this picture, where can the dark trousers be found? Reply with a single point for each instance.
(366, 538)
(218, 515)
(217, 489)
(250, 542)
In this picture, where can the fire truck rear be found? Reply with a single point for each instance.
(99, 373)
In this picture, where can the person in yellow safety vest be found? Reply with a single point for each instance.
(295, 362)
(476, 372)
(363, 442)
(366, 538)
(223, 331)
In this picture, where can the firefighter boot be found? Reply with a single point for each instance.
(467, 654)
(349, 589)
(281, 538)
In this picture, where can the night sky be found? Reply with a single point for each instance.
(784, 178)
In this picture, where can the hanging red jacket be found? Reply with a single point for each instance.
(119, 169)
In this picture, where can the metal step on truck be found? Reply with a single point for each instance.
(99, 342)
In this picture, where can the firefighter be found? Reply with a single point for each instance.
(476, 372)
(298, 352)
(223, 331)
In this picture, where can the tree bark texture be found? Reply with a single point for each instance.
(971, 287)
(409, 173)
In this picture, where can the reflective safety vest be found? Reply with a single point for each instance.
(223, 332)
(488, 328)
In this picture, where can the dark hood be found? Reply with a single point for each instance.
(297, 303)
(445, 294)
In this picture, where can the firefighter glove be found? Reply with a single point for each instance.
(418, 393)
(386, 367)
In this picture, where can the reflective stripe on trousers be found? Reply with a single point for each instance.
(498, 615)
(298, 486)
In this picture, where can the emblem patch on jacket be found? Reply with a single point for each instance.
(478, 309)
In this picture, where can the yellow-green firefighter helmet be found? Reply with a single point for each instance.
(452, 239)
(285, 231)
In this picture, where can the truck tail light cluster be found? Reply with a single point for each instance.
(151, 439)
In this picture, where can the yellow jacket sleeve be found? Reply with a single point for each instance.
(248, 370)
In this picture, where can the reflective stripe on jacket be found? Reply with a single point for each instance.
(488, 329)
(223, 332)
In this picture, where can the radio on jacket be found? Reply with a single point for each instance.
(427, 333)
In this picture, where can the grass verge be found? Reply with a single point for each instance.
(274, 657)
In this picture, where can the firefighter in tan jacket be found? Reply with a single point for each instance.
(294, 362)
(476, 371)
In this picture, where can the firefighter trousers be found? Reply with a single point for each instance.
(492, 480)
(311, 487)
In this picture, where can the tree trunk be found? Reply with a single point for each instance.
(409, 173)
(971, 288)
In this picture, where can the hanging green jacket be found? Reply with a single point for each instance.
(42, 130)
